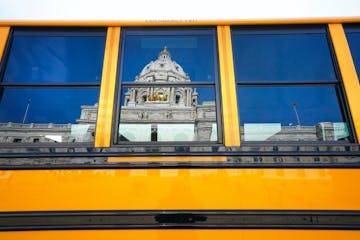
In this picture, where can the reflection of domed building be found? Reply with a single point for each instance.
(154, 113)
(166, 110)
(162, 71)
(163, 107)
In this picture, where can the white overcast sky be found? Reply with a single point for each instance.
(128, 10)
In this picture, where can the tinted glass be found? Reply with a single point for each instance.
(168, 114)
(55, 59)
(291, 113)
(353, 38)
(56, 115)
(282, 57)
(192, 50)
(62, 105)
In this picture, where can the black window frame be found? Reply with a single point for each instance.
(121, 84)
(349, 29)
(337, 83)
(50, 32)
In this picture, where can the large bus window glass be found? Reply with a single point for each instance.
(287, 88)
(50, 85)
(168, 82)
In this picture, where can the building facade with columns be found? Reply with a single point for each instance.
(161, 106)
(164, 107)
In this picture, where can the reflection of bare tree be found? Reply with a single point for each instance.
(82, 131)
(26, 110)
(295, 105)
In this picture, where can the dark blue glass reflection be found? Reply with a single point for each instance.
(282, 57)
(354, 43)
(43, 105)
(194, 52)
(55, 59)
(281, 105)
(301, 113)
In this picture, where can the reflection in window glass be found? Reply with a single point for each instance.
(282, 57)
(53, 111)
(152, 114)
(55, 59)
(168, 79)
(295, 97)
(31, 105)
(283, 113)
(193, 52)
(48, 115)
(353, 37)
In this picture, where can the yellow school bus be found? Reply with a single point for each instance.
(180, 129)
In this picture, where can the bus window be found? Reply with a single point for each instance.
(287, 86)
(50, 84)
(169, 82)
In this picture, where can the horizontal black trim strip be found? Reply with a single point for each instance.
(242, 83)
(176, 165)
(60, 31)
(126, 145)
(352, 27)
(278, 29)
(46, 85)
(166, 154)
(168, 84)
(179, 165)
(169, 31)
(175, 219)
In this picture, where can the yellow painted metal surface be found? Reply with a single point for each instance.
(348, 73)
(107, 91)
(169, 159)
(184, 22)
(228, 88)
(174, 189)
(183, 234)
(4, 34)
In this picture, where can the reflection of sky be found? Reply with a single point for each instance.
(55, 60)
(47, 60)
(46, 105)
(194, 53)
(354, 43)
(270, 57)
(275, 105)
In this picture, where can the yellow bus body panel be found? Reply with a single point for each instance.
(180, 189)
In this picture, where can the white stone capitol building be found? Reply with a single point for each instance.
(164, 110)
(161, 105)
(151, 113)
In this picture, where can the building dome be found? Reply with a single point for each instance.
(163, 70)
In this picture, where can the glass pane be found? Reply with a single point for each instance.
(168, 113)
(354, 43)
(48, 115)
(282, 57)
(55, 59)
(189, 55)
(291, 114)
